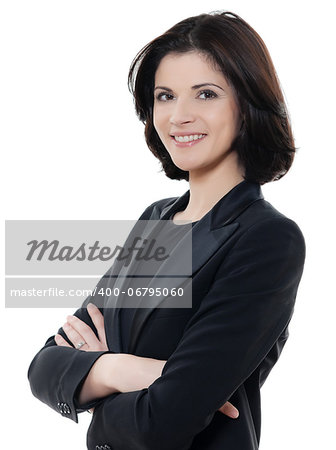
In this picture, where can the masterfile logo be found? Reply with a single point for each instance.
(61, 263)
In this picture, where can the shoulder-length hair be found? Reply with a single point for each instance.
(264, 144)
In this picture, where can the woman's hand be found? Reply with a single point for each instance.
(81, 335)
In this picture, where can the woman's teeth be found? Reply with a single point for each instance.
(192, 137)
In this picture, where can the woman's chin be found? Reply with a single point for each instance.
(188, 166)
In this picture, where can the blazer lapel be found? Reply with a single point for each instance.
(115, 282)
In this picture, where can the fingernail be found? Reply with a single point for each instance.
(235, 414)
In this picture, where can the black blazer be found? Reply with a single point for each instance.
(247, 263)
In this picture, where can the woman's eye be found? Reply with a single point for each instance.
(163, 96)
(205, 95)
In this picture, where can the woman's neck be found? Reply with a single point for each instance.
(209, 186)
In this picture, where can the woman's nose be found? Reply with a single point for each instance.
(181, 113)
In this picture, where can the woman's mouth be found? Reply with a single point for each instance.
(187, 140)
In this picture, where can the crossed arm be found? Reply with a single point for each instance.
(112, 373)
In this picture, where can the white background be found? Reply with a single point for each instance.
(73, 148)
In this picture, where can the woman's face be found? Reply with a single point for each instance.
(195, 111)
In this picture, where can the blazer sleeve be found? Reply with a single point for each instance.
(56, 373)
(249, 304)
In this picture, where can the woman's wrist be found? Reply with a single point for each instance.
(133, 373)
(98, 381)
(119, 372)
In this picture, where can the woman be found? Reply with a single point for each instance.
(159, 378)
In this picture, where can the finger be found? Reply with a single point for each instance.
(229, 410)
(61, 341)
(74, 336)
(83, 330)
(98, 321)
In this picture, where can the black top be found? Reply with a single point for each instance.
(170, 235)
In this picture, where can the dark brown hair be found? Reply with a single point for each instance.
(265, 143)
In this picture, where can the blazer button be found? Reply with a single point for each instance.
(63, 408)
(60, 406)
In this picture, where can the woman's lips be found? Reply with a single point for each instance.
(187, 144)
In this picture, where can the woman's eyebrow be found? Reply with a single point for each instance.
(196, 86)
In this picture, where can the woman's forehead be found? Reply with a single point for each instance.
(191, 67)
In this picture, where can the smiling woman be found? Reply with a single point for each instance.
(223, 50)
(169, 378)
